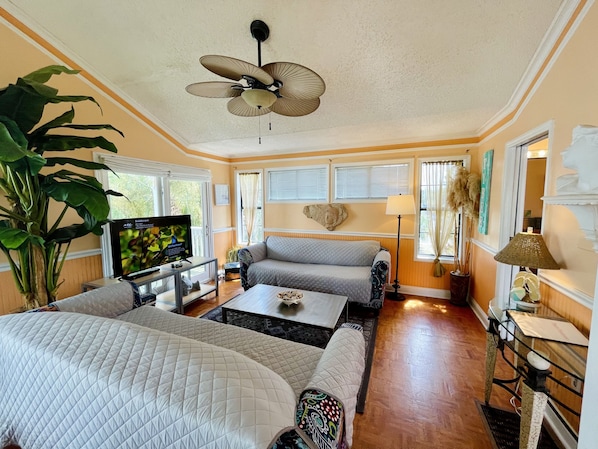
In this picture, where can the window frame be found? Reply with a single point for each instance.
(238, 211)
(409, 161)
(466, 159)
(266, 184)
(162, 172)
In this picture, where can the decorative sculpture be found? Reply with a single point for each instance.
(579, 191)
(581, 156)
(328, 215)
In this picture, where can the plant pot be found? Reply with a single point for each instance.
(459, 288)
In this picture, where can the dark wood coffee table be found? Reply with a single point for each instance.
(319, 310)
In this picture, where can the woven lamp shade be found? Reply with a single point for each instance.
(527, 250)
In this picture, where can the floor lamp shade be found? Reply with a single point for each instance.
(398, 205)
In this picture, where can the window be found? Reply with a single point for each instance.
(372, 182)
(298, 184)
(156, 189)
(435, 227)
(250, 209)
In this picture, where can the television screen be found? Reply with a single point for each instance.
(141, 244)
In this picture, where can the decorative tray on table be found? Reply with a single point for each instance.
(289, 297)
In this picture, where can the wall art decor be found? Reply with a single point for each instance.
(221, 195)
(485, 193)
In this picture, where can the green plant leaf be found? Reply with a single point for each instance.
(71, 176)
(12, 238)
(77, 194)
(57, 122)
(12, 141)
(89, 165)
(101, 126)
(14, 149)
(23, 105)
(69, 233)
(113, 193)
(67, 143)
(31, 165)
(40, 89)
(73, 99)
(45, 73)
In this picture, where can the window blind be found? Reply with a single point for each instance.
(298, 184)
(372, 181)
(125, 164)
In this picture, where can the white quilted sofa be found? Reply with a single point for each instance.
(107, 374)
(357, 269)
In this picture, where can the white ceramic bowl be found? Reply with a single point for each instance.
(290, 297)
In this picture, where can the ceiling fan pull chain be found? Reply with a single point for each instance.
(259, 129)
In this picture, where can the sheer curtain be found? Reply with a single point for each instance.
(440, 218)
(249, 184)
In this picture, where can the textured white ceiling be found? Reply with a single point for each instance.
(395, 70)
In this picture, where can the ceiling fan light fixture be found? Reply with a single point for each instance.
(259, 98)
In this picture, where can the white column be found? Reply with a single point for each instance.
(588, 431)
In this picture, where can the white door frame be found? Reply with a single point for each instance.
(511, 210)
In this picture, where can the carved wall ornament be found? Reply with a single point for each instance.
(579, 192)
(581, 156)
(328, 215)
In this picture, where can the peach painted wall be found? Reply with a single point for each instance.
(366, 220)
(483, 276)
(567, 95)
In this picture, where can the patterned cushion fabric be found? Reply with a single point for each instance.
(319, 251)
(351, 281)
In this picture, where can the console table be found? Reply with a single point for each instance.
(175, 299)
(560, 386)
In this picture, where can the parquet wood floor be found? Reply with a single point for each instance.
(427, 372)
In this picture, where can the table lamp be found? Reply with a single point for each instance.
(398, 205)
(527, 250)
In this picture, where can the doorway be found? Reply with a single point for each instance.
(524, 184)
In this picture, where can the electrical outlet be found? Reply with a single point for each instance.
(576, 384)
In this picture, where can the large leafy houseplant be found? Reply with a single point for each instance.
(34, 242)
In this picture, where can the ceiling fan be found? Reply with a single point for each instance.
(281, 87)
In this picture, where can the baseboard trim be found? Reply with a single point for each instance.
(422, 291)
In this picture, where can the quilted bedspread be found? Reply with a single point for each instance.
(72, 380)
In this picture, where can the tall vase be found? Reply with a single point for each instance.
(459, 288)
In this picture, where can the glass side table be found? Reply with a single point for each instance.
(553, 374)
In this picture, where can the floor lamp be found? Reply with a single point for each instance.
(398, 205)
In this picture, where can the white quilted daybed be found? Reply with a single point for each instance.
(108, 375)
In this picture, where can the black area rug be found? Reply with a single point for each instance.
(503, 427)
(310, 335)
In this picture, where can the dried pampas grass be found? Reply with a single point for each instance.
(463, 195)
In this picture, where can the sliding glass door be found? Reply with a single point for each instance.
(148, 192)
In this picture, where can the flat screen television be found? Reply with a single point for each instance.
(140, 245)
